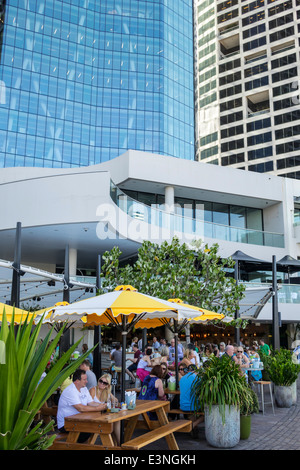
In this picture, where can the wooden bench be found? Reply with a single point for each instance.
(60, 443)
(47, 413)
(195, 418)
(158, 433)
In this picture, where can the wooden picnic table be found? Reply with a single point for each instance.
(101, 425)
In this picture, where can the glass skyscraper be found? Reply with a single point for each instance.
(82, 81)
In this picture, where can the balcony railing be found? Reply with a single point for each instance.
(190, 226)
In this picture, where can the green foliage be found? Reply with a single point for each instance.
(173, 270)
(280, 367)
(22, 392)
(220, 383)
(248, 401)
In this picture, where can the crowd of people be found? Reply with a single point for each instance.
(154, 367)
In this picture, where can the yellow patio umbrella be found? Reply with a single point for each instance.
(125, 307)
(48, 318)
(13, 313)
(206, 315)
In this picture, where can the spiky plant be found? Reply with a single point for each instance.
(220, 383)
(23, 359)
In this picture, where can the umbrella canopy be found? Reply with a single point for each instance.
(288, 264)
(47, 313)
(205, 315)
(124, 301)
(19, 314)
(124, 307)
(249, 263)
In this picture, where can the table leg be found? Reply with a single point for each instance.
(130, 427)
(93, 439)
(72, 436)
(163, 419)
(107, 440)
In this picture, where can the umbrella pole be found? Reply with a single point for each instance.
(124, 344)
(176, 355)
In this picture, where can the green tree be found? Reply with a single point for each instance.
(197, 275)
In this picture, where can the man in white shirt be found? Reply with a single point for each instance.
(76, 399)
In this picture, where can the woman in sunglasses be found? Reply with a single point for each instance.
(102, 394)
(241, 359)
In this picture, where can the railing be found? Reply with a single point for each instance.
(287, 293)
(200, 228)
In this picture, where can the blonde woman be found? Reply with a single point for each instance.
(102, 394)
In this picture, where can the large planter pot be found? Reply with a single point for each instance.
(219, 434)
(285, 396)
(245, 427)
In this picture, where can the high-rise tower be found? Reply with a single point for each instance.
(247, 77)
(82, 81)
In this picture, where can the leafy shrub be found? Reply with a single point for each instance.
(248, 402)
(280, 367)
(22, 392)
(220, 383)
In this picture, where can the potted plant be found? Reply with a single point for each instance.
(217, 390)
(24, 386)
(248, 406)
(283, 372)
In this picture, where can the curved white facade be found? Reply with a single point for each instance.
(77, 208)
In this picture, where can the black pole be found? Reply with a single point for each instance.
(97, 366)
(124, 345)
(237, 336)
(15, 288)
(275, 315)
(65, 338)
(176, 354)
(144, 339)
(66, 293)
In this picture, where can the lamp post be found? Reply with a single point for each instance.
(275, 314)
(97, 367)
(15, 288)
(237, 313)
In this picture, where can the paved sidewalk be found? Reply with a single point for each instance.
(268, 432)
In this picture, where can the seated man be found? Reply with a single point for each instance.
(185, 386)
(186, 397)
(76, 399)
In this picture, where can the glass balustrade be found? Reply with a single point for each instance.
(287, 293)
(200, 228)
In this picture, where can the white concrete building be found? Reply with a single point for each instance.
(141, 196)
(247, 84)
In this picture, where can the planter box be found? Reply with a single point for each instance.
(221, 435)
(285, 396)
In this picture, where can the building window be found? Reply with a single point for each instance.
(261, 167)
(260, 153)
(259, 138)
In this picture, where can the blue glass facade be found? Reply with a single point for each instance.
(82, 81)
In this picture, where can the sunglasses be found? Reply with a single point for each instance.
(239, 350)
(102, 382)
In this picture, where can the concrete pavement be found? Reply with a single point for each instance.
(268, 432)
